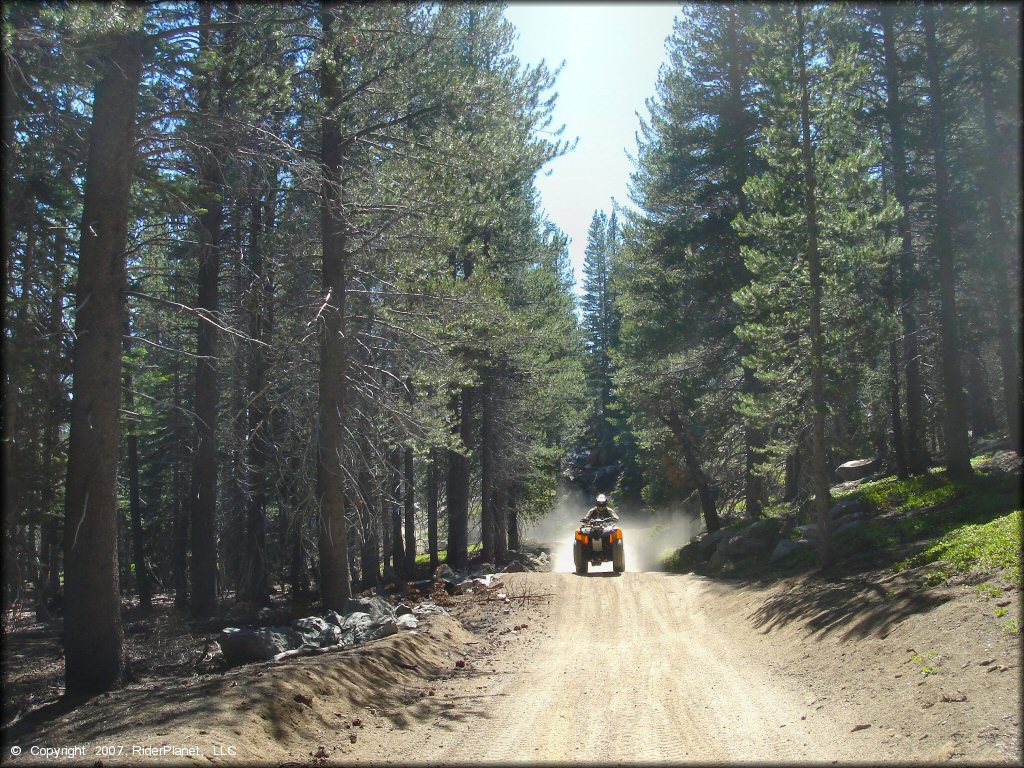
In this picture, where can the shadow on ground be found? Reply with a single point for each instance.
(858, 608)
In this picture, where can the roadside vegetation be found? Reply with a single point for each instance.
(961, 528)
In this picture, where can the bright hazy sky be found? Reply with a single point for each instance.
(612, 52)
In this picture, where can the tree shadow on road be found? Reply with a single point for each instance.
(859, 607)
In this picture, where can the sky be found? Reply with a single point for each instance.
(612, 52)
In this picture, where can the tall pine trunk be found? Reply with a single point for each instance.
(1005, 247)
(958, 454)
(458, 484)
(433, 480)
(686, 444)
(409, 486)
(142, 583)
(94, 653)
(487, 515)
(916, 450)
(335, 587)
(203, 486)
(818, 407)
(257, 586)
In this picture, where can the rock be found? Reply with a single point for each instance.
(858, 468)
(767, 527)
(787, 547)
(718, 559)
(847, 524)
(318, 632)
(427, 608)
(242, 646)
(311, 625)
(485, 568)
(746, 544)
(407, 621)
(444, 572)
(848, 505)
(362, 627)
(514, 567)
(333, 617)
(808, 531)
(377, 607)
(401, 609)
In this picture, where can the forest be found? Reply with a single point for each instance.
(283, 313)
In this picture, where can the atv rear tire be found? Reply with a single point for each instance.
(579, 559)
(618, 557)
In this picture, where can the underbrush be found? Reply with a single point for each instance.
(992, 546)
(930, 506)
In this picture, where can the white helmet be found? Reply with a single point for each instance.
(601, 499)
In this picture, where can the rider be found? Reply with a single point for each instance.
(601, 509)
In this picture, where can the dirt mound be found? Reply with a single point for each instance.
(257, 713)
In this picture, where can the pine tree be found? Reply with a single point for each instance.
(816, 232)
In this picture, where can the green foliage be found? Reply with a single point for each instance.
(929, 661)
(984, 547)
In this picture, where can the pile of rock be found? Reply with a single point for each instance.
(362, 619)
(772, 540)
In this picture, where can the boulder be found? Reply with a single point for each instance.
(718, 559)
(764, 528)
(362, 627)
(241, 646)
(426, 608)
(787, 547)
(514, 567)
(808, 531)
(317, 631)
(858, 468)
(847, 505)
(402, 609)
(377, 607)
(484, 569)
(746, 544)
(407, 621)
(443, 571)
(333, 617)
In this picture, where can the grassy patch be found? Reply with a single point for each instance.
(442, 554)
(992, 546)
(931, 506)
(891, 494)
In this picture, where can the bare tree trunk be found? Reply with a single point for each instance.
(819, 469)
(458, 485)
(257, 587)
(95, 657)
(180, 531)
(203, 488)
(409, 485)
(142, 583)
(981, 415)
(335, 587)
(433, 475)
(685, 442)
(394, 474)
(916, 450)
(1005, 247)
(958, 453)
(487, 516)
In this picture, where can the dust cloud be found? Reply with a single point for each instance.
(648, 534)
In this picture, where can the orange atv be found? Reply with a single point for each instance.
(598, 541)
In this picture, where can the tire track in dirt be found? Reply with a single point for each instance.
(630, 668)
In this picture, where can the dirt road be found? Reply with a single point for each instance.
(628, 668)
(642, 668)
